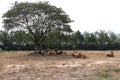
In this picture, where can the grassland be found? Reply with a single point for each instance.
(19, 65)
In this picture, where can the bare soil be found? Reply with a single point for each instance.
(19, 65)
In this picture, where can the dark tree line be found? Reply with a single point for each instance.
(99, 40)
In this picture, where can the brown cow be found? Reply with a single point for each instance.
(110, 55)
(80, 55)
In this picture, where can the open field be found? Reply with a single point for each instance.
(18, 65)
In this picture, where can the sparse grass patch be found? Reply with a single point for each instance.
(103, 74)
(98, 78)
(110, 73)
(32, 67)
(116, 69)
(93, 79)
(113, 69)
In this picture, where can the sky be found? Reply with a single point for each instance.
(88, 15)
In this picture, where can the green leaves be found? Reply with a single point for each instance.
(38, 19)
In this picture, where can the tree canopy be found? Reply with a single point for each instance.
(37, 19)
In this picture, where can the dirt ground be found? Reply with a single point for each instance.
(18, 65)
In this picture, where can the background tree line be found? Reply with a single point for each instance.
(99, 40)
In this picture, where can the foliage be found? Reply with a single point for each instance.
(37, 19)
(17, 40)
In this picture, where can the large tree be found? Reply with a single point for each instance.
(38, 19)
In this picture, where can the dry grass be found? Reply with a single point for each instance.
(19, 66)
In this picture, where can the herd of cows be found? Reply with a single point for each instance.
(75, 54)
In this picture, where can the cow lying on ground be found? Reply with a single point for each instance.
(80, 55)
(110, 55)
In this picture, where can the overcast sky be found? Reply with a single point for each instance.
(88, 15)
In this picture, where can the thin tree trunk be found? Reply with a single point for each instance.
(36, 48)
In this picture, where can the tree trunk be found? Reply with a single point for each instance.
(36, 48)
